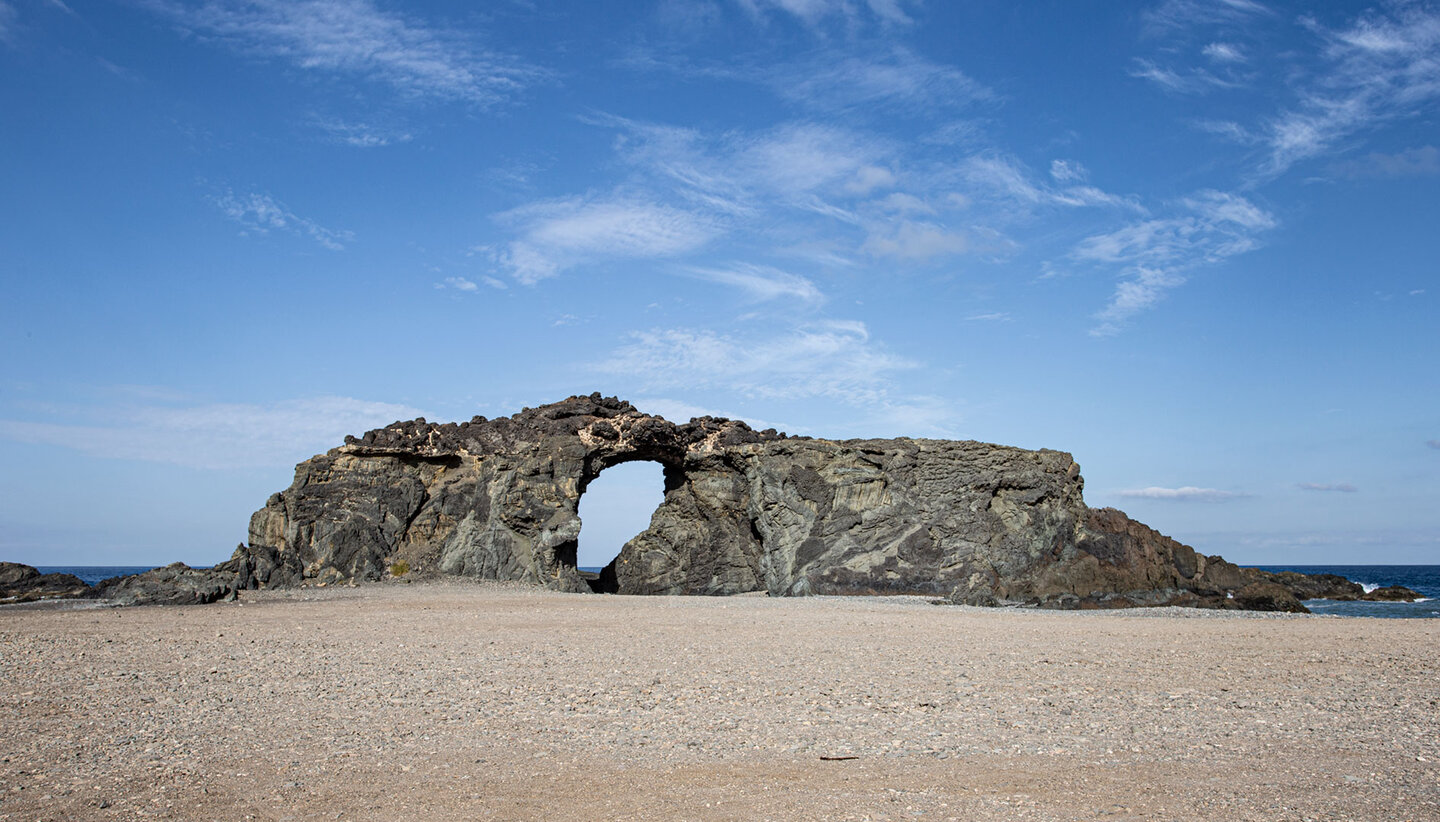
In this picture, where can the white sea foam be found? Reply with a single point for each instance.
(1368, 586)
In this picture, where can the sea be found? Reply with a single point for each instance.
(1423, 579)
(91, 574)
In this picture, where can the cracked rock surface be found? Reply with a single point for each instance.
(744, 511)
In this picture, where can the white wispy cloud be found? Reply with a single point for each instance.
(459, 284)
(899, 202)
(557, 234)
(1413, 162)
(1223, 53)
(360, 135)
(262, 213)
(700, 170)
(835, 193)
(1201, 51)
(217, 436)
(357, 39)
(1003, 176)
(8, 17)
(1191, 80)
(1230, 130)
(1381, 67)
(1068, 171)
(835, 359)
(1186, 14)
(914, 240)
(1154, 255)
(1143, 288)
(910, 416)
(1342, 487)
(815, 12)
(1225, 211)
(898, 77)
(856, 194)
(1188, 493)
(1000, 177)
(955, 133)
(870, 178)
(800, 158)
(804, 179)
(759, 282)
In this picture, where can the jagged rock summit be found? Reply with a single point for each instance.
(744, 511)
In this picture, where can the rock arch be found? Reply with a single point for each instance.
(744, 510)
(495, 499)
(617, 505)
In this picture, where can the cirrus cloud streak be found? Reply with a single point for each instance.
(355, 38)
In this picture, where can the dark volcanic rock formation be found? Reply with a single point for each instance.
(175, 584)
(744, 510)
(1269, 596)
(1391, 593)
(22, 583)
(1311, 586)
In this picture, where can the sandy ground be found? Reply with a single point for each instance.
(454, 701)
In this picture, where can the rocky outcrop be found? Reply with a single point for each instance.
(744, 510)
(1269, 596)
(1330, 586)
(175, 584)
(22, 583)
(1391, 593)
(1311, 586)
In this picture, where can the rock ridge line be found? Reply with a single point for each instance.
(744, 511)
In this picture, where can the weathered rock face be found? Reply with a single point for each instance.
(174, 584)
(744, 511)
(22, 583)
(1311, 586)
(1269, 596)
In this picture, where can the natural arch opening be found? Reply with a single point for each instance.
(614, 508)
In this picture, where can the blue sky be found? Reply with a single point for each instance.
(1192, 242)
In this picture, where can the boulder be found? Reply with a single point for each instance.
(1269, 596)
(1391, 593)
(175, 584)
(23, 583)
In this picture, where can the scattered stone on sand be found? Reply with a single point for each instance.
(462, 701)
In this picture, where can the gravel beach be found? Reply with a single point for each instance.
(458, 701)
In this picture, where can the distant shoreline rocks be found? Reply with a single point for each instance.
(174, 584)
(1391, 593)
(180, 584)
(23, 583)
